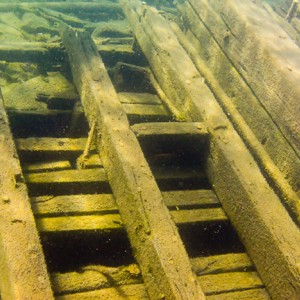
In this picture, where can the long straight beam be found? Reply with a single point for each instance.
(23, 272)
(153, 235)
(271, 237)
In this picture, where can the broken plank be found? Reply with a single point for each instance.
(22, 263)
(131, 179)
(237, 179)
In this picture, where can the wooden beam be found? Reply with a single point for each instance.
(250, 203)
(153, 235)
(23, 269)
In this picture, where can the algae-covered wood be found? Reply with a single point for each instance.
(152, 233)
(23, 269)
(269, 234)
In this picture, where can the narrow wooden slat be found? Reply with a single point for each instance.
(105, 203)
(67, 176)
(46, 167)
(203, 198)
(139, 98)
(111, 221)
(223, 263)
(22, 263)
(146, 110)
(73, 204)
(138, 292)
(230, 282)
(170, 128)
(51, 144)
(79, 223)
(253, 294)
(198, 215)
(146, 219)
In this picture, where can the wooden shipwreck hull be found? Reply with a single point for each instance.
(149, 150)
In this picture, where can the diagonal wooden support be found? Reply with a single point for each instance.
(23, 273)
(271, 237)
(156, 243)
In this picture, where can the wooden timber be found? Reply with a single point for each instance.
(22, 264)
(245, 41)
(137, 195)
(271, 237)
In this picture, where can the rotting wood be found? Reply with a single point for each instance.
(292, 11)
(270, 236)
(46, 167)
(23, 269)
(153, 235)
(139, 98)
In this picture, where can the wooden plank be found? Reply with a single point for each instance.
(51, 144)
(232, 262)
(253, 294)
(66, 176)
(139, 98)
(202, 198)
(47, 166)
(265, 140)
(258, 61)
(240, 282)
(79, 223)
(110, 220)
(22, 263)
(146, 219)
(170, 128)
(247, 198)
(194, 216)
(105, 203)
(96, 277)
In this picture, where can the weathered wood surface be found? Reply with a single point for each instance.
(23, 269)
(281, 166)
(100, 277)
(151, 231)
(251, 39)
(105, 203)
(229, 283)
(270, 236)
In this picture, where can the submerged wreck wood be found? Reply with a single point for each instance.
(241, 28)
(270, 236)
(23, 269)
(153, 235)
(276, 174)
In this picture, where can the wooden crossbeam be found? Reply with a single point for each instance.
(250, 203)
(152, 233)
(23, 270)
